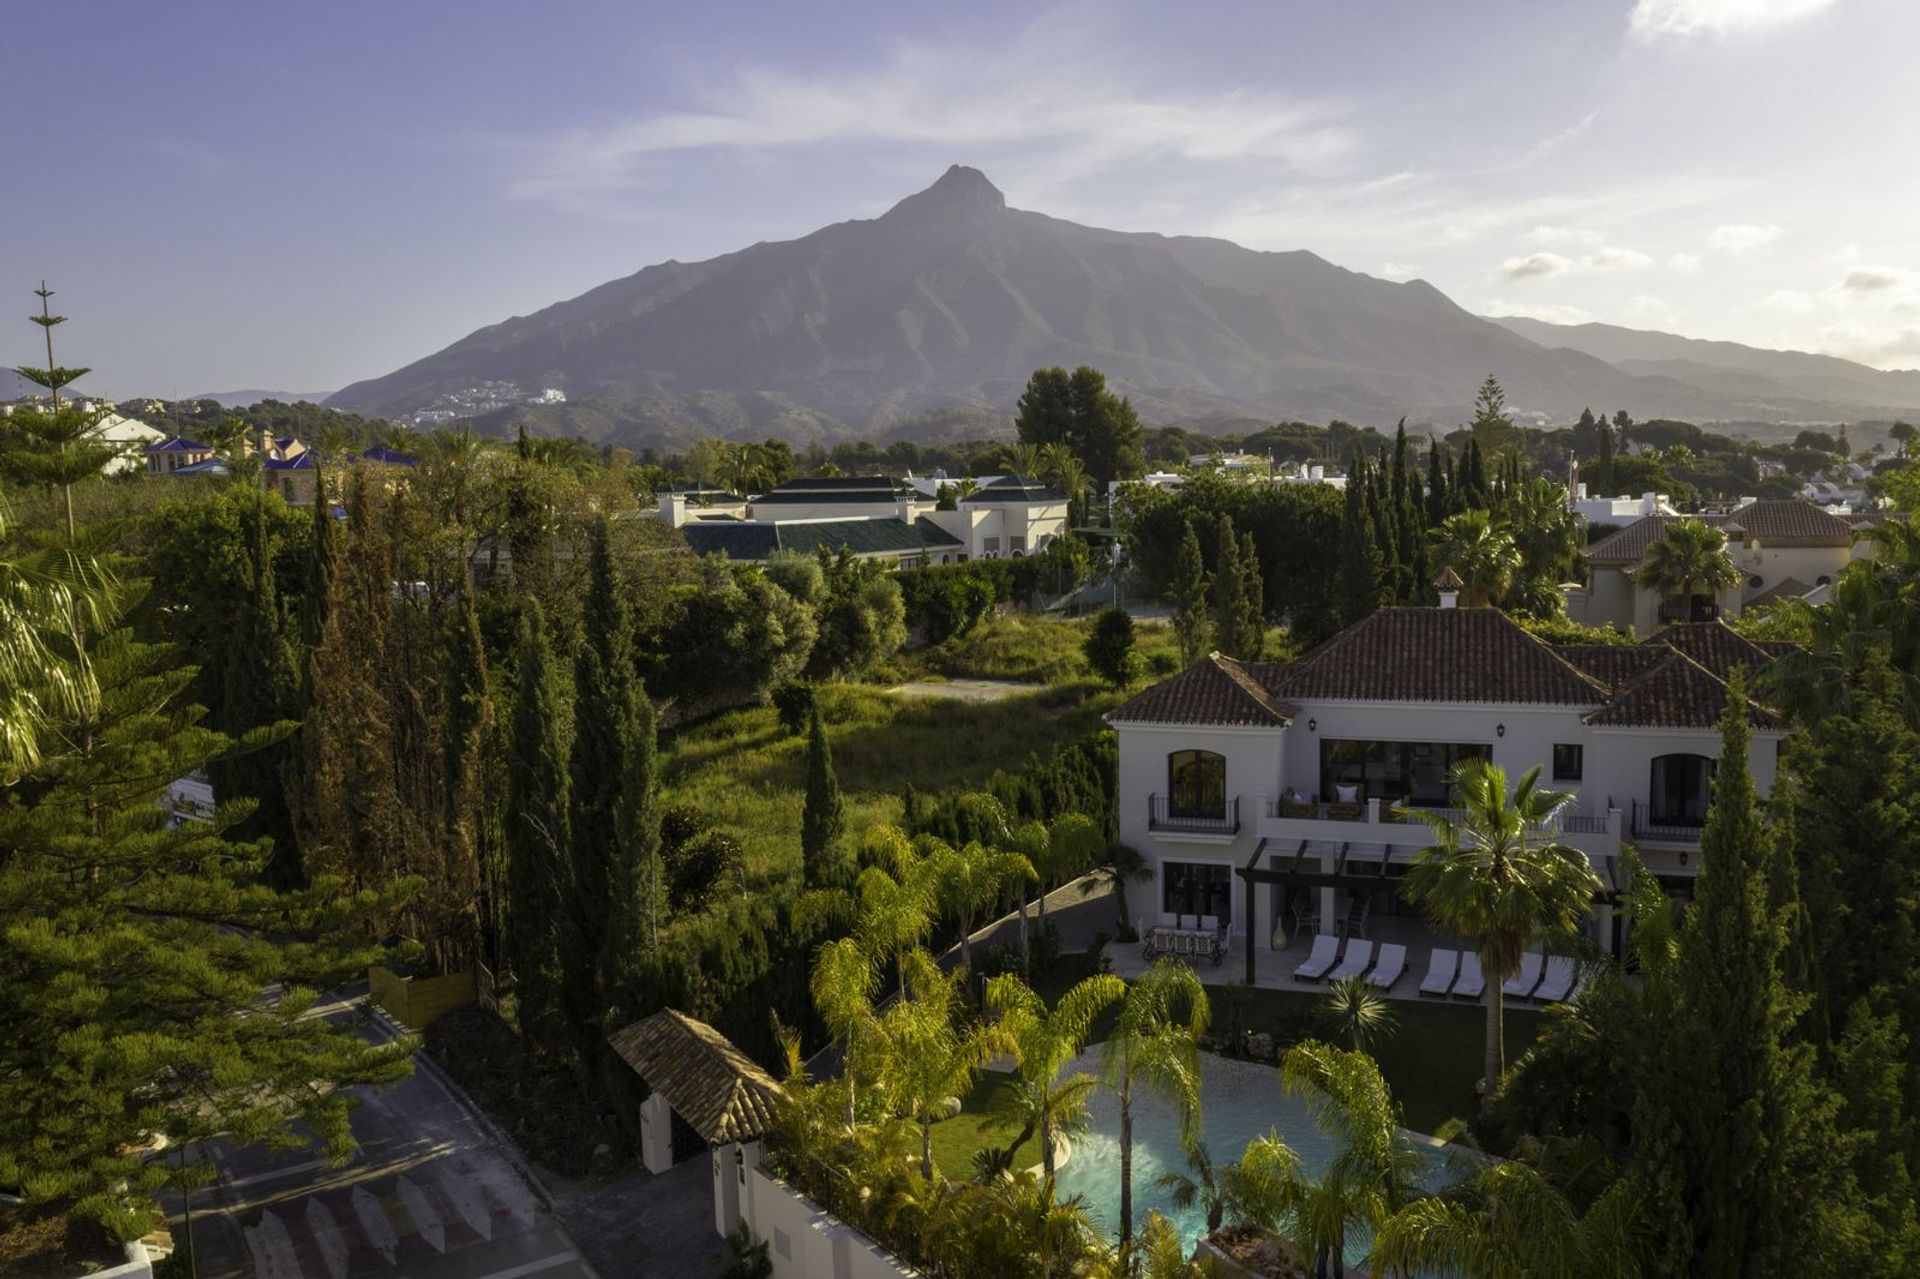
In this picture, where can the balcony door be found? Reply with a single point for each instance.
(1678, 791)
(1197, 888)
(1196, 784)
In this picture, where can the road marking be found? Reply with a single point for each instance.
(374, 1224)
(273, 1251)
(426, 1219)
(532, 1267)
(466, 1201)
(326, 1233)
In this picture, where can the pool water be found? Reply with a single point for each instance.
(1239, 1101)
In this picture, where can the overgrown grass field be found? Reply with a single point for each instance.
(747, 776)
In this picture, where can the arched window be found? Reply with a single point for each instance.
(1196, 784)
(1679, 788)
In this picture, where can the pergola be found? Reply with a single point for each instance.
(1361, 870)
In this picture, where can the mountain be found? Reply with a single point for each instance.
(1729, 368)
(247, 399)
(941, 307)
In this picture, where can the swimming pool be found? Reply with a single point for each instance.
(1239, 1101)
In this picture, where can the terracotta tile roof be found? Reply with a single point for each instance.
(1437, 655)
(1786, 522)
(1791, 588)
(1629, 545)
(1215, 690)
(1611, 664)
(1714, 645)
(711, 1084)
(1676, 692)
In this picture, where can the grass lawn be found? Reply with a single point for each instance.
(955, 1139)
(1431, 1059)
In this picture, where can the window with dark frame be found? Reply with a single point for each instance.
(1196, 784)
(1569, 761)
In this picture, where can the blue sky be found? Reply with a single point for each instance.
(296, 196)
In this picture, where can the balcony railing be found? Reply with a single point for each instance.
(1163, 816)
(1670, 828)
(1374, 810)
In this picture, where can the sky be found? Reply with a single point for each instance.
(232, 195)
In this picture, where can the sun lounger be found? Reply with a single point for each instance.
(1442, 966)
(1326, 948)
(1389, 967)
(1357, 960)
(1473, 982)
(1558, 982)
(1521, 984)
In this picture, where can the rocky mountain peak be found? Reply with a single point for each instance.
(961, 191)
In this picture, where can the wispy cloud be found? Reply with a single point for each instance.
(1087, 115)
(1536, 311)
(1741, 237)
(1601, 258)
(1535, 266)
(1652, 19)
(1685, 263)
(1399, 270)
(1872, 279)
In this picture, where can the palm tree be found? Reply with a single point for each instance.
(843, 986)
(1154, 1048)
(1510, 1223)
(1062, 469)
(1689, 560)
(1374, 1173)
(1123, 866)
(1356, 1012)
(1163, 1254)
(1043, 1041)
(1487, 878)
(1481, 550)
(1024, 459)
(1073, 843)
(1060, 1231)
(896, 913)
(970, 880)
(1203, 1184)
(925, 1058)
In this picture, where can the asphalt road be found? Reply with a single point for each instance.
(431, 1196)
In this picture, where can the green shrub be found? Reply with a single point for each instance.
(793, 701)
(1109, 648)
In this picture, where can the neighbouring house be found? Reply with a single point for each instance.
(1263, 794)
(177, 453)
(1773, 543)
(1618, 510)
(874, 517)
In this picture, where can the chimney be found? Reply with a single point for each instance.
(673, 509)
(1449, 585)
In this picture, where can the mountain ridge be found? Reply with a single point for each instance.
(946, 302)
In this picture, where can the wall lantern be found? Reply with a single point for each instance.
(1499, 730)
(1312, 724)
(1683, 857)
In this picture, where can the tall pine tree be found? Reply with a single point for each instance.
(825, 861)
(1361, 570)
(1189, 591)
(537, 836)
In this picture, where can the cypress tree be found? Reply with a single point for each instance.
(537, 835)
(603, 678)
(1386, 536)
(1253, 600)
(1729, 1131)
(1190, 589)
(824, 862)
(633, 876)
(1602, 476)
(1236, 594)
(1360, 567)
(1439, 496)
(468, 800)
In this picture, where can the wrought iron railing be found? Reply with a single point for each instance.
(1163, 815)
(1670, 827)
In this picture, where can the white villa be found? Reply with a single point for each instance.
(1781, 547)
(1262, 794)
(875, 517)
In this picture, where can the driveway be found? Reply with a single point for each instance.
(432, 1195)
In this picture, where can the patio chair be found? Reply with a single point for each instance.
(1326, 948)
(1442, 967)
(1357, 960)
(1189, 922)
(1521, 984)
(1473, 981)
(1220, 944)
(1387, 969)
(1558, 982)
(1210, 923)
(1183, 945)
(1169, 920)
(1355, 924)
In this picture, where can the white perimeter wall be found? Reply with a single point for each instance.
(805, 1242)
